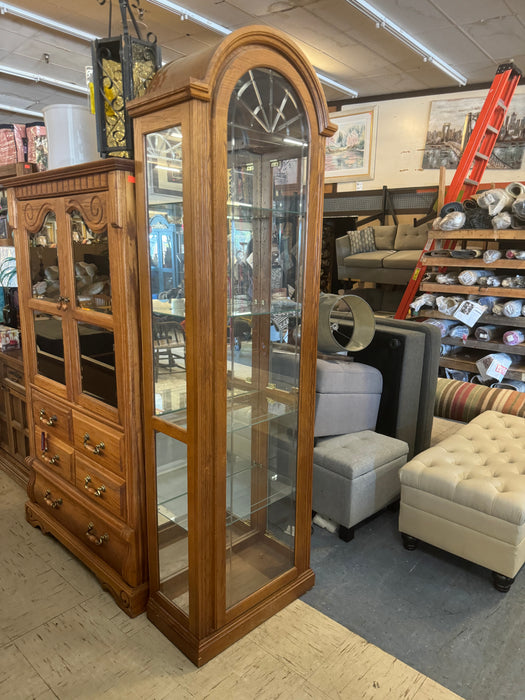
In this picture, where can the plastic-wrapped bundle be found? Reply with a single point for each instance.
(490, 281)
(487, 332)
(518, 206)
(436, 223)
(459, 374)
(490, 256)
(447, 305)
(497, 308)
(466, 253)
(447, 278)
(488, 302)
(520, 255)
(515, 189)
(446, 349)
(513, 337)
(513, 384)
(512, 308)
(517, 282)
(459, 331)
(502, 220)
(443, 325)
(511, 253)
(471, 277)
(423, 300)
(495, 200)
(453, 221)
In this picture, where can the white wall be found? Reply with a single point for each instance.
(401, 135)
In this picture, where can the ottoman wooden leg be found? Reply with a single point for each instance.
(502, 583)
(346, 533)
(409, 542)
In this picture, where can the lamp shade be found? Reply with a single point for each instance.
(345, 323)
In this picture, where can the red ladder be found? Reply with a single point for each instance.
(474, 160)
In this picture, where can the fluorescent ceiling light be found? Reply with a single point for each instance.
(383, 22)
(199, 19)
(25, 75)
(19, 110)
(45, 21)
(188, 14)
(338, 86)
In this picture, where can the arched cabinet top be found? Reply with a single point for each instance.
(195, 76)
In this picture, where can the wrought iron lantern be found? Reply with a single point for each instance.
(123, 67)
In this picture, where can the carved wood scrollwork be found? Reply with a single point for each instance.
(34, 214)
(92, 208)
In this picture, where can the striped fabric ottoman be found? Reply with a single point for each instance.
(466, 495)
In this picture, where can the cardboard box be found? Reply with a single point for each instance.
(9, 338)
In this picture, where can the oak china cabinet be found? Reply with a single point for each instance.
(75, 237)
(229, 147)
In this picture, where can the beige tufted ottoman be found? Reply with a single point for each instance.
(466, 495)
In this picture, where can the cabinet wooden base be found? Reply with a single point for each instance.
(132, 599)
(200, 651)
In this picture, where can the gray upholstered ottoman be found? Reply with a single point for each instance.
(355, 476)
(466, 495)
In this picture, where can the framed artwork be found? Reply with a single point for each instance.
(350, 153)
(450, 125)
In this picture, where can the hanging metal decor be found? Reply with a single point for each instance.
(123, 67)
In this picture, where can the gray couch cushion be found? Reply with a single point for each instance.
(373, 260)
(410, 238)
(384, 237)
(402, 259)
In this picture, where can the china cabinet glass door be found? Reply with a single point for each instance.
(168, 350)
(267, 166)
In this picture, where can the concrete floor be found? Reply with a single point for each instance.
(436, 612)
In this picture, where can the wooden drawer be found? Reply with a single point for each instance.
(104, 538)
(99, 442)
(58, 457)
(103, 487)
(51, 415)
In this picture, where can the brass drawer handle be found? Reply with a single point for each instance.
(56, 503)
(50, 460)
(50, 421)
(97, 449)
(96, 492)
(93, 538)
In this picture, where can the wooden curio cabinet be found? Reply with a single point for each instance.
(229, 149)
(75, 238)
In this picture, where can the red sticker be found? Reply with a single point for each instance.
(131, 178)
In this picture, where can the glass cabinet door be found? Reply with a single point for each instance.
(43, 261)
(90, 254)
(168, 351)
(267, 162)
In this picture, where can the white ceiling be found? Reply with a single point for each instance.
(473, 36)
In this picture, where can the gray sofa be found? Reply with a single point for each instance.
(398, 249)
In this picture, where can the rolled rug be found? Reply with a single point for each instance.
(512, 308)
(490, 256)
(442, 324)
(486, 333)
(466, 253)
(471, 277)
(459, 331)
(513, 337)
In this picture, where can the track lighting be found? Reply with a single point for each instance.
(383, 22)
